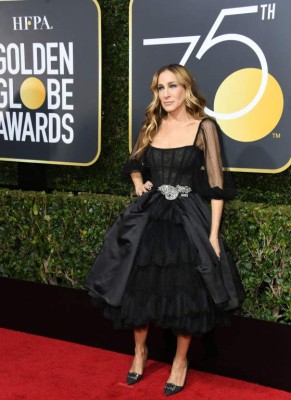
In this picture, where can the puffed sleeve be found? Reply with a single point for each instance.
(136, 163)
(215, 180)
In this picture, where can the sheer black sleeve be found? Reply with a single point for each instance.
(214, 181)
(136, 163)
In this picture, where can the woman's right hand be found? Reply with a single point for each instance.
(143, 188)
(215, 244)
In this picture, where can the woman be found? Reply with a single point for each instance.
(164, 261)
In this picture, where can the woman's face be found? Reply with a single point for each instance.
(172, 94)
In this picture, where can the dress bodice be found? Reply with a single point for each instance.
(174, 166)
(200, 168)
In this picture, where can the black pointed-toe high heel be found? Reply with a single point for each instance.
(171, 388)
(134, 377)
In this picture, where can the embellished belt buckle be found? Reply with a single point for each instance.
(172, 192)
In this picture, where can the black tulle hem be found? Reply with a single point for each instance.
(191, 324)
(170, 296)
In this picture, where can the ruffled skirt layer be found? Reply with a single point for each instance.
(164, 286)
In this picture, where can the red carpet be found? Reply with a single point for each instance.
(38, 368)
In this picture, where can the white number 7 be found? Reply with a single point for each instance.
(211, 41)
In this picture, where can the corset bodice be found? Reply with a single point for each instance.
(174, 166)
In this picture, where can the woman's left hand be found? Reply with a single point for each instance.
(215, 244)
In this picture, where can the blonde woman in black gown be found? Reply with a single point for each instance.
(163, 261)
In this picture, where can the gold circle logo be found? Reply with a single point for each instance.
(236, 92)
(32, 93)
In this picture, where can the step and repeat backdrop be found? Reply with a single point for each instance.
(239, 53)
(50, 81)
(50, 75)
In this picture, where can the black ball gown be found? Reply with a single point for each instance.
(157, 264)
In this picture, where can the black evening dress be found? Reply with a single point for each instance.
(157, 264)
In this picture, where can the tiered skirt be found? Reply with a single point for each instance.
(164, 285)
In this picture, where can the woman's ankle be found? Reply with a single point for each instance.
(180, 361)
(140, 349)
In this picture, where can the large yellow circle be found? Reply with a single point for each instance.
(236, 92)
(32, 93)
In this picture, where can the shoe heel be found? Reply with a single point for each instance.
(134, 377)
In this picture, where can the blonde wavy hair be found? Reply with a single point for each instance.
(155, 113)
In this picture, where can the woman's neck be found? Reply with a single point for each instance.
(178, 117)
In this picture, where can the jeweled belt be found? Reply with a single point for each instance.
(172, 192)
